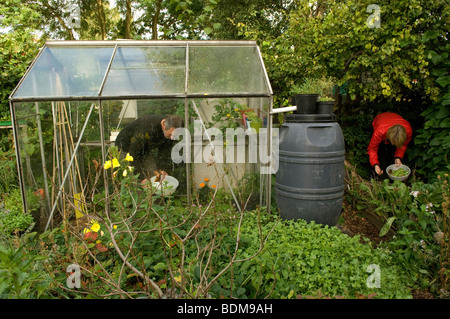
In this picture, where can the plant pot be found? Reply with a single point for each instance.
(256, 125)
(242, 115)
(325, 107)
(306, 103)
(113, 135)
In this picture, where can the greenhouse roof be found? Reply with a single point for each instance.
(128, 69)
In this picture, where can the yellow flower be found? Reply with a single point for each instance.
(115, 226)
(177, 278)
(129, 158)
(107, 165)
(228, 115)
(115, 163)
(124, 173)
(95, 226)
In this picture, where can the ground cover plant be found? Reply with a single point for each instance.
(302, 260)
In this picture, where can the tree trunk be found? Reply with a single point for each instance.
(128, 18)
(101, 19)
(155, 20)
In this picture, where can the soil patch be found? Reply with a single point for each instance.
(354, 224)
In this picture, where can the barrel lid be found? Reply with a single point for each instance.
(304, 118)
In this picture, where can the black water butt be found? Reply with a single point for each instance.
(310, 177)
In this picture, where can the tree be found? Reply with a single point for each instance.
(17, 51)
(342, 39)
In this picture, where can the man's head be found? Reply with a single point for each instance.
(396, 135)
(169, 124)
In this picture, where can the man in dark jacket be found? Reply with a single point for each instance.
(149, 140)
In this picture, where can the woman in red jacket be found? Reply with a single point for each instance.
(389, 128)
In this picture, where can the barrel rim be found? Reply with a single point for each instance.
(306, 118)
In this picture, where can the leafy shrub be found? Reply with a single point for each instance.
(21, 272)
(357, 130)
(13, 219)
(433, 140)
(412, 218)
(8, 168)
(415, 243)
(303, 258)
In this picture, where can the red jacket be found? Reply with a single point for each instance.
(381, 124)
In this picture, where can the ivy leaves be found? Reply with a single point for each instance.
(436, 129)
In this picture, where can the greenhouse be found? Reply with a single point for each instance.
(77, 96)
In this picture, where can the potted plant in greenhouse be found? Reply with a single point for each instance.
(244, 110)
(255, 122)
(306, 95)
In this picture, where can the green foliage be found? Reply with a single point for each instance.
(22, 275)
(190, 19)
(415, 214)
(322, 86)
(433, 140)
(227, 114)
(389, 200)
(17, 50)
(13, 219)
(308, 86)
(415, 244)
(303, 258)
(357, 130)
(8, 166)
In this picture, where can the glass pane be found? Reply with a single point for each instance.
(48, 133)
(66, 72)
(225, 70)
(134, 127)
(147, 71)
(34, 146)
(227, 152)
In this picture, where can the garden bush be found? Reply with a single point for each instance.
(22, 275)
(13, 219)
(413, 219)
(307, 259)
